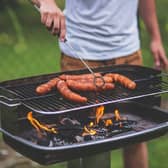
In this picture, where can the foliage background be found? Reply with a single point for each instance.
(27, 48)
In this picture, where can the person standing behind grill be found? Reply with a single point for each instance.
(104, 32)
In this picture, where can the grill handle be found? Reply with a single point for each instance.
(9, 102)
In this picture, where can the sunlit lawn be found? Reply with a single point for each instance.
(26, 49)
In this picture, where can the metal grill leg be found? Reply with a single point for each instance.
(102, 160)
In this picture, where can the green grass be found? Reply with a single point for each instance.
(27, 48)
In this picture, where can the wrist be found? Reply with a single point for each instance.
(156, 40)
(155, 36)
(45, 1)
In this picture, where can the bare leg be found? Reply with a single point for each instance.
(136, 156)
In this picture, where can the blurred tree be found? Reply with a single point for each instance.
(14, 4)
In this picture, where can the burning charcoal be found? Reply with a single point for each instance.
(69, 131)
(79, 138)
(69, 128)
(55, 139)
(58, 141)
(114, 132)
(68, 121)
(122, 124)
(129, 122)
(33, 136)
(102, 131)
(51, 144)
(87, 137)
(98, 137)
(29, 135)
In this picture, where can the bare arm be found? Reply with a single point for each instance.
(52, 17)
(147, 11)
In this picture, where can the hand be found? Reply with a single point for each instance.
(160, 59)
(53, 18)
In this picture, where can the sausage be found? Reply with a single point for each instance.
(68, 94)
(53, 82)
(43, 89)
(84, 85)
(106, 79)
(78, 77)
(108, 86)
(81, 85)
(47, 87)
(123, 80)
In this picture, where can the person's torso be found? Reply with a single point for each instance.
(101, 29)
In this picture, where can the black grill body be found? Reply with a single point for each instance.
(18, 97)
(152, 123)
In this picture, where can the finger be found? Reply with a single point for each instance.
(44, 17)
(164, 60)
(62, 28)
(156, 59)
(49, 21)
(56, 26)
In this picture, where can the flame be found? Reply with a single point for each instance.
(91, 124)
(120, 124)
(117, 115)
(38, 126)
(108, 122)
(88, 131)
(99, 113)
(118, 118)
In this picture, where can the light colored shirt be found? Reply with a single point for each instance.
(101, 29)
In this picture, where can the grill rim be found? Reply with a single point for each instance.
(160, 127)
(91, 105)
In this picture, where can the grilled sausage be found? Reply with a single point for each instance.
(99, 80)
(47, 87)
(123, 80)
(108, 86)
(83, 85)
(78, 77)
(68, 94)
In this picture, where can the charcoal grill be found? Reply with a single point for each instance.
(18, 97)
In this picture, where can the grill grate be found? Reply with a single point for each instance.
(149, 82)
(57, 104)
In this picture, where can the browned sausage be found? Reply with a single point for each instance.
(106, 79)
(53, 82)
(108, 86)
(46, 87)
(78, 77)
(68, 94)
(81, 85)
(125, 81)
(84, 85)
